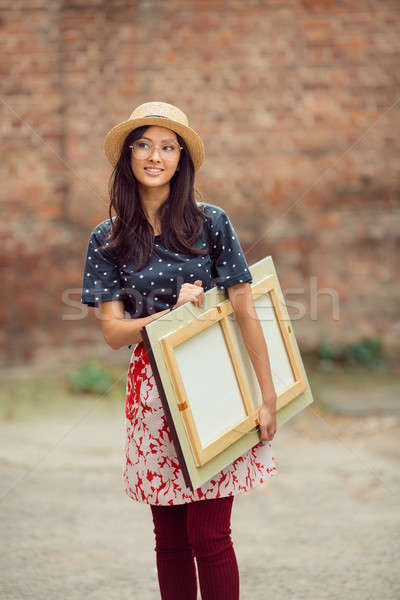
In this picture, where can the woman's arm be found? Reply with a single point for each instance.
(246, 315)
(119, 331)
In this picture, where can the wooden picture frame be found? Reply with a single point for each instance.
(207, 382)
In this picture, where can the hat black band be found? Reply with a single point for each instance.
(162, 116)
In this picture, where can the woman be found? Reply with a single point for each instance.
(163, 249)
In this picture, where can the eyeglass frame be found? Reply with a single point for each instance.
(131, 146)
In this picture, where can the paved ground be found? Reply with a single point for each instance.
(325, 527)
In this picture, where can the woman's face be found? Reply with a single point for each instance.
(158, 167)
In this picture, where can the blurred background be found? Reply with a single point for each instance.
(298, 106)
(297, 102)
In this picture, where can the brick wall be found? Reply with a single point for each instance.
(298, 106)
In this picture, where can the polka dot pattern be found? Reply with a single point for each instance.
(157, 285)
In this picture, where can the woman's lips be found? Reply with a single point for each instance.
(153, 172)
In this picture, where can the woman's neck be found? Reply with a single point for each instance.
(152, 199)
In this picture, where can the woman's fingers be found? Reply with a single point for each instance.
(193, 292)
(265, 435)
(199, 298)
(202, 295)
(267, 423)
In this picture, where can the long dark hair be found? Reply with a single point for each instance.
(131, 236)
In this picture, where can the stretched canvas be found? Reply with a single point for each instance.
(206, 380)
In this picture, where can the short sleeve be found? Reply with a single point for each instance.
(100, 279)
(229, 264)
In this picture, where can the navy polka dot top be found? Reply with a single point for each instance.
(156, 287)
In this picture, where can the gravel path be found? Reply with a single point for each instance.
(325, 527)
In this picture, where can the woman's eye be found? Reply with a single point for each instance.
(168, 148)
(142, 144)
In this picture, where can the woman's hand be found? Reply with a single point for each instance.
(191, 291)
(267, 420)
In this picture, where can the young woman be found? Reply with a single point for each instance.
(160, 250)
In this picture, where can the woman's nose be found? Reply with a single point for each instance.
(155, 154)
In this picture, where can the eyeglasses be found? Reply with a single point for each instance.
(142, 149)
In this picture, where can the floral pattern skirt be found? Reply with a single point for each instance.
(151, 470)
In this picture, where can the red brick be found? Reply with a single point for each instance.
(307, 85)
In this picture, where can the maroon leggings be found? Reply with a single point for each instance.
(199, 529)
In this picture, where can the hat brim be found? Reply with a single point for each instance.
(116, 136)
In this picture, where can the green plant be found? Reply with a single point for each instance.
(367, 352)
(91, 378)
(327, 351)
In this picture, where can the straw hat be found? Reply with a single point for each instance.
(155, 113)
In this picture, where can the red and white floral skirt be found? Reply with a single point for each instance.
(151, 471)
